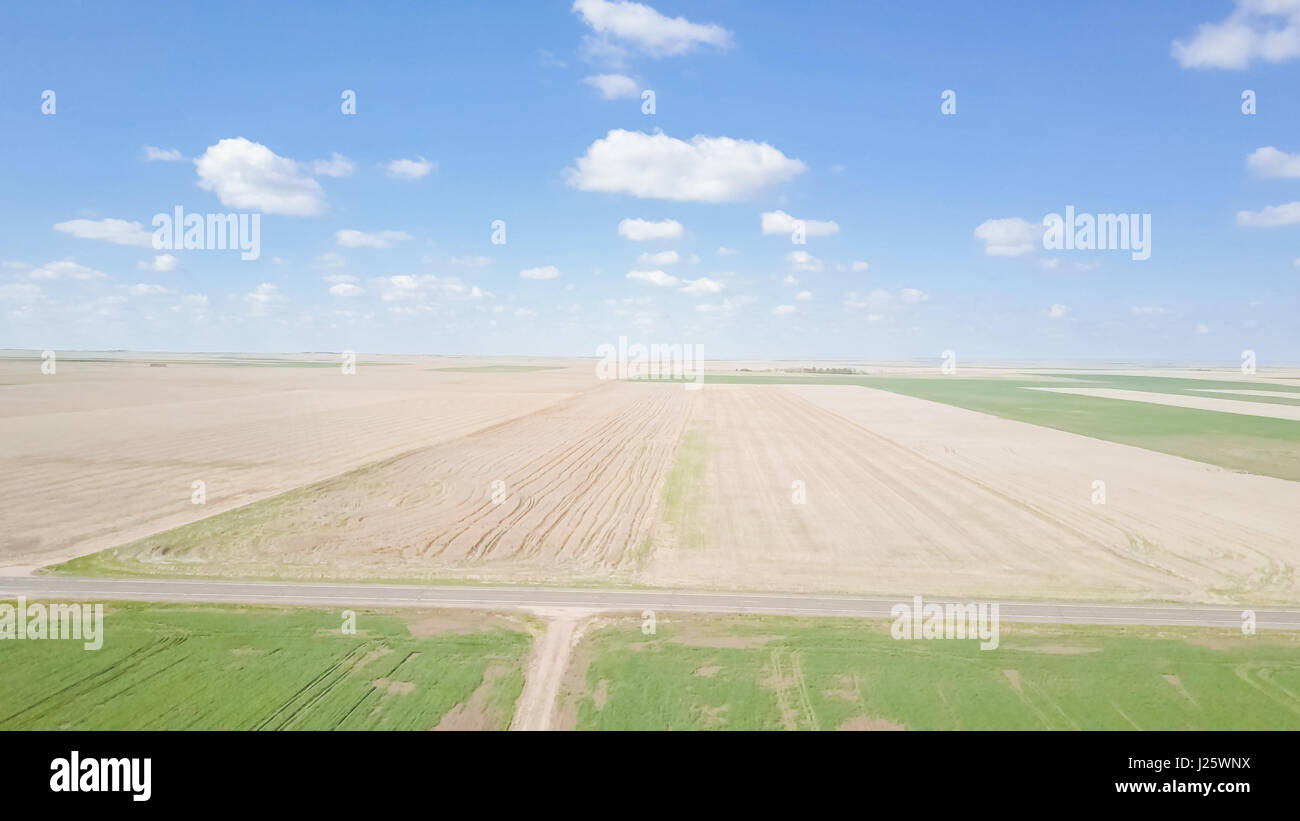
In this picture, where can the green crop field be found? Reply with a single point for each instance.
(760, 672)
(178, 667)
(1253, 444)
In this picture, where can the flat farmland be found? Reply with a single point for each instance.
(570, 491)
(106, 451)
(539, 473)
(854, 489)
(768, 672)
(211, 667)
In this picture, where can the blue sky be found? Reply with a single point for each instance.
(830, 113)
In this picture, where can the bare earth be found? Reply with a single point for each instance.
(1210, 403)
(103, 453)
(552, 476)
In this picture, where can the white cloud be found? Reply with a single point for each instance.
(724, 251)
(544, 272)
(245, 174)
(911, 296)
(336, 166)
(148, 289)
(116, 231)
(417, 289)
(701, 286)
(345, 289)
(153, 153)
(614, 86)
(782, 310)
(161, 263)
(194, 300)
(860, 266)
(1270, 162)
(1009, 237)
(641, 27)
(1271, 216)
(658, 278)
(1148, 310)
(661, 258)
(705, 169)
(790, 279)
(329, 259)
(410, 169)
(641, 230)
(263, 298)
(1202, 328)
(351, 238)
(65, 268)
(803, 261)
(1059, 311)
(1267, 30)
(803, 296)
(779, 222)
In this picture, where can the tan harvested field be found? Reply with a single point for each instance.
(907, 496)
(104, 452)
(406, 471)
(1210, 403)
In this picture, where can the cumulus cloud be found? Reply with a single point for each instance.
(116, 231)
(1058, 311)
(544, 272)
(1270, 162)
(153, 153)
(704, 169)
(779, 222)
(248, 175)
(336, 166)
(782, 310)
(410, 169)
(803, 261)
(1267, 30)
(661, 258)
(641, 230)
(657, 278)
(724, 251)
(803, 296)
(417, 289)
(1271, 216)
(703, 285)
(66, 268)
(345, 289)
(1009, 237)
(644, 29)
(351, 238)
(613, 86)
(161, 263)
(911, 296)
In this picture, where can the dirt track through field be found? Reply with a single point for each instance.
(549, 660)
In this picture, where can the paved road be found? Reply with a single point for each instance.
(536, 598)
